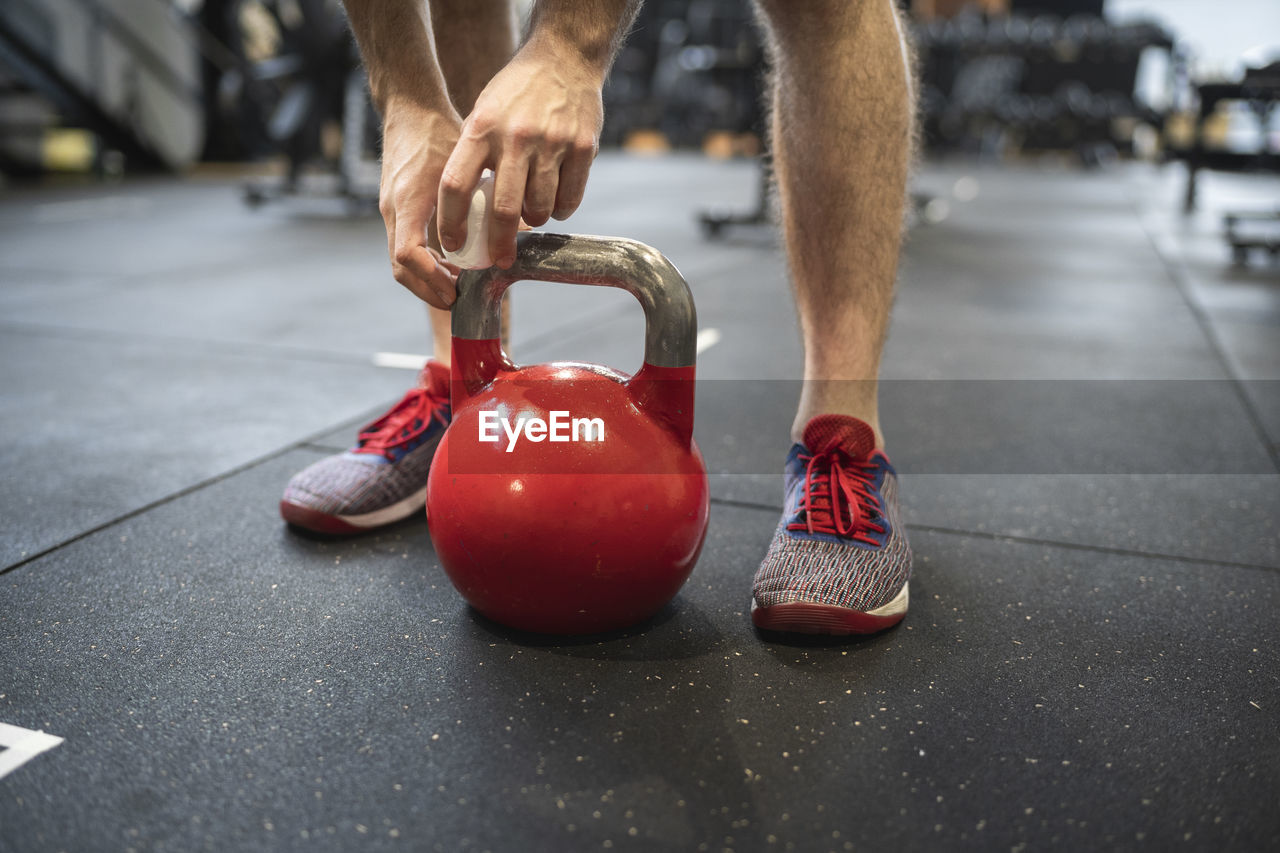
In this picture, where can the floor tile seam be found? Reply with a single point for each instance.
(320, 447)
(251, 349)
(1031, 540)
(1176, 269)
(212, 480)
(1094, 549)
(307, 443)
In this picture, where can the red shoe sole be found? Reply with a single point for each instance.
(804, 618)
(316, 521)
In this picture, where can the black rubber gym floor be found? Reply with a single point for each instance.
(1083, 396)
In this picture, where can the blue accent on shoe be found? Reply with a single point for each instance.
(794, 474)
(433, 430)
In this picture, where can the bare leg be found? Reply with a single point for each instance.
(474, 40)
(842, 143)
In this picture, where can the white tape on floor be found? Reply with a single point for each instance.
(405, 360)
(21, 745)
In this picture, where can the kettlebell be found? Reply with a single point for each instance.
(569, 498)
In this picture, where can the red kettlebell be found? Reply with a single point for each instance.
(567, 498)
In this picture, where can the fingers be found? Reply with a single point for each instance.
(573, 180)
(540, 192)
(457, 183)
(417, 267)
(429, 279)
(532, 180)
(508, 201)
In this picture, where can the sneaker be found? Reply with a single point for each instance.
(839, 561)
(384, 477)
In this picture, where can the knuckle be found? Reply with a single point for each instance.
(506, 213)
(403, 256)
(522, 135)
(480, 123)
(452, 183)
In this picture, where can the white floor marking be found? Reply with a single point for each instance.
(21, 745)
(708, 338)
(405, 360)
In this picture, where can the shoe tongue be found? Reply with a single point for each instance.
(839, 433)
(435, 378)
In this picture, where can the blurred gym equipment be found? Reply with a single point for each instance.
(1259, 92)
(998, 84)
(296, 88)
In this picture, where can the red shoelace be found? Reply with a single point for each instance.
(839, 498)
(407, 420)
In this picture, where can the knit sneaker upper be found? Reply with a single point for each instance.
(839, 541)
(387, 468)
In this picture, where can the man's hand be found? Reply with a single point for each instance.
(417, 141)
(537, 126)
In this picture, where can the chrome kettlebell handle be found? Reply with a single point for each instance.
(671, 322)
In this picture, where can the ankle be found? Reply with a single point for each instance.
(855, 397)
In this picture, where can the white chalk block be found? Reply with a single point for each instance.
(474, 254)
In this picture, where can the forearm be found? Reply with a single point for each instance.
(591, 29)
(397, 45)
(474, 39)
